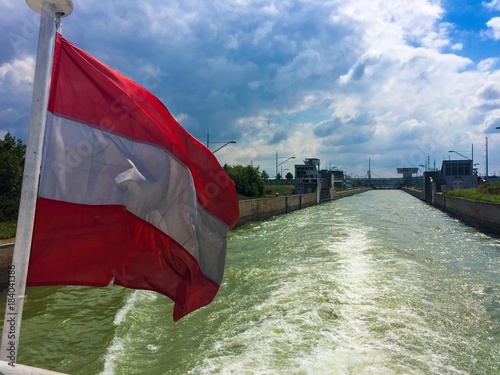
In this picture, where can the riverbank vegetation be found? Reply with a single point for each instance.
(248, 180)
(488, 192)
(12, 152)
(7, 230)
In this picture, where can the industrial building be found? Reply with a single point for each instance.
(307, 176)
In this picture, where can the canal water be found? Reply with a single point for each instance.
(377, 283)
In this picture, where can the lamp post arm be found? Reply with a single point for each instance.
(283, 162)
(461, 155)
(224, 145)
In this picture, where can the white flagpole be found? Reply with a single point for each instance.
(18, 271)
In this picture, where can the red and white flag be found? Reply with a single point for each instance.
(126, 194)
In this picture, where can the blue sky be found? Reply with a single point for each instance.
(395, 82)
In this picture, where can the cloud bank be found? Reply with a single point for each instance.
(394, 82)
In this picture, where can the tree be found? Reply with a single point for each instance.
(264, 175)
(12, 154)
(247, 179)
(289, 176)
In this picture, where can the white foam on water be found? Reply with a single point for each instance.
(343, 313)
(116, 346)
(348, 344)
(308, 324)
(109, 359)
(128, 339)
(120, 315)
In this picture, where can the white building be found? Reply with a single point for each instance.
(307, 176)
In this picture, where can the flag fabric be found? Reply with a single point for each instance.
(126, 194)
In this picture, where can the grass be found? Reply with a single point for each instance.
(489, 192)
(7, 229)
(270, 191)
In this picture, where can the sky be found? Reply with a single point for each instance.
(355, 83)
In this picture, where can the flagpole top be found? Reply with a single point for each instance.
(62, 7)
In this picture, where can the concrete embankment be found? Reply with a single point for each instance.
(483, 216)
(264, 208)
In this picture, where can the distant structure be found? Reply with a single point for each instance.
(339, 179)
(457, 174)
(407, 175)
(307, 176)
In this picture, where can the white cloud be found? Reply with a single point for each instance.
(494, 28)
(486, 64)
(341, 81)
(493, 4)
(362, 68)
(305, 64)
(492, 120)
(16, 75)
(16, 83)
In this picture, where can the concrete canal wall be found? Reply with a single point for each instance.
(482, 215)
(264, 208)
(261, 209)
(416, 193)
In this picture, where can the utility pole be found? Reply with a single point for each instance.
(486, 177)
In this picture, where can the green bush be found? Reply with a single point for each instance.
(7, 230)
(12, 153)
(492, 188)
(489, 192)
(248, 180)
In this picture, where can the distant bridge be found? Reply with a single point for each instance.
(407, 180)
(391, 183)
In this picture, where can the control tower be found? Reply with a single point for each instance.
(407, 175)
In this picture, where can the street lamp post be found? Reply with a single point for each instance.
(486, 170)
(224, 145)
(277, 165)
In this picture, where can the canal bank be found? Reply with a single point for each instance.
(265, 208)
(483, 216)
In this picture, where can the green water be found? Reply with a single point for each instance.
(378, 283)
